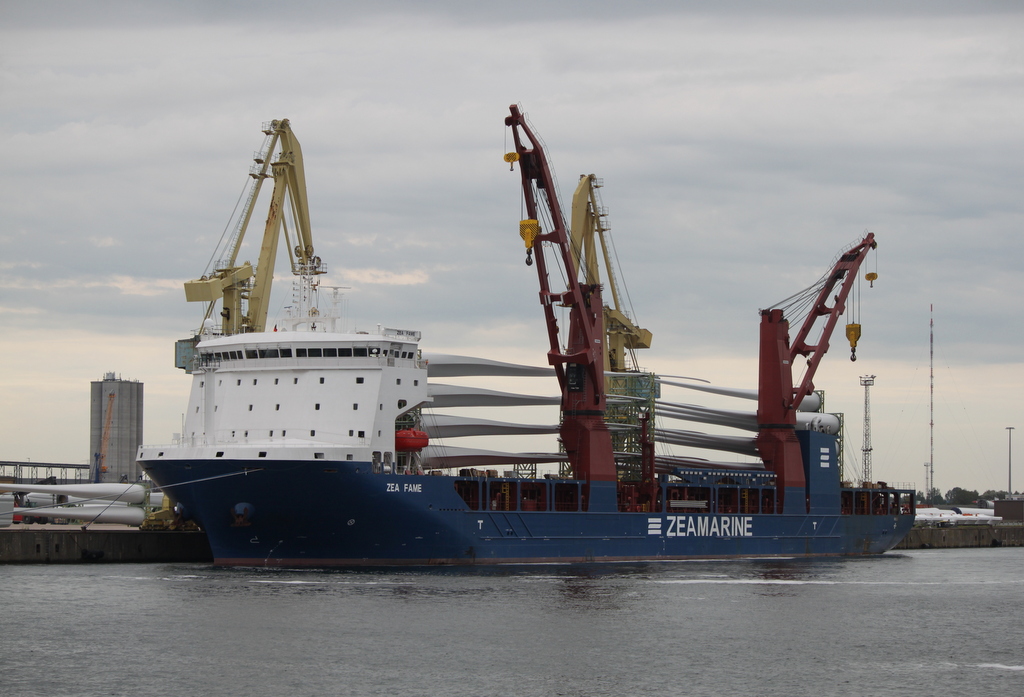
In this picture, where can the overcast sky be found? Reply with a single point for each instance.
(742, 145)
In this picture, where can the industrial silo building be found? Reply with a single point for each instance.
(115, 429)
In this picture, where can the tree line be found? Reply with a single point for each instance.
(958, 497)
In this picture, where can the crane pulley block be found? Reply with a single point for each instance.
(528, 230)
(853, 335)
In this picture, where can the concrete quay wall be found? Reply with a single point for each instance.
(930, 537)
(53, 544)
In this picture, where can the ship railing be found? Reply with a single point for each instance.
(688, 505)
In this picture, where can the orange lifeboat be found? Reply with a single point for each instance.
(410, 440)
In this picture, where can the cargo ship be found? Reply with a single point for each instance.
(309, 444)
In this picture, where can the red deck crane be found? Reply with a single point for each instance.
(778, 399)
(580, 365)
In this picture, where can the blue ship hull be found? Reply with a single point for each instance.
(294, 513)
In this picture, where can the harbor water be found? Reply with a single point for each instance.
(912, 622)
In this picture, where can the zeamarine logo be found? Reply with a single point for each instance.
(701, 526)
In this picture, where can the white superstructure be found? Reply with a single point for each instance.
(306, 390)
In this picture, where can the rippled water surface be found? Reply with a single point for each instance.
(933, 622)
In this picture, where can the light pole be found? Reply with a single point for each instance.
(1009, 461)
(867, 381)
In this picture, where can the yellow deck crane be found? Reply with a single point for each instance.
(622, 376)
(588, 227)
(245, 291)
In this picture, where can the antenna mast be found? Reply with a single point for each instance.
(931, 400)
(867, 381)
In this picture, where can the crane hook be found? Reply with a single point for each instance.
(853, 334)
(510, 158)
(528, 230)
